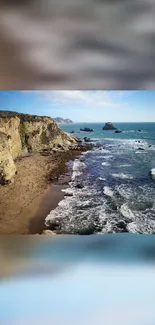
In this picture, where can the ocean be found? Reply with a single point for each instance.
(117, 191)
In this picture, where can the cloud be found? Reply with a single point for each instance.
(87, 98)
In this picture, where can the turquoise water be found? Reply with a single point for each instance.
(130, 130)
(118, 193)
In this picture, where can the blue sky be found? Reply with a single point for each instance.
(83, 106)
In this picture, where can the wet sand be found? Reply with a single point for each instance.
(34, 193)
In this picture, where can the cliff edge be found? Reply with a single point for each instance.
(24, 133)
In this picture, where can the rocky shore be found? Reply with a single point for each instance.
(36, 190)
(34, 153)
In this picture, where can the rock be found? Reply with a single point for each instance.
(80, 186)
(150, 146)
(53, 178)
(86, 130)
(7, 166)
(141, 148)
(54, 225)
(122, 226)
(89, 230)
(108, 126)
(48, 232)
(118, 131)
(68, 194)
(86, 139)
(79, 140)
(139, 130)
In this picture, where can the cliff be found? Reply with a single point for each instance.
(24, 133)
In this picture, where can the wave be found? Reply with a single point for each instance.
(105, 164)
(107, 191)
(78, 167)
(101, 178)
(126, 212)
(122, 176)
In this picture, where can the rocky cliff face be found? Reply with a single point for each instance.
(7, 166)
(23, 133)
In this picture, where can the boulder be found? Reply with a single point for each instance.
(80, 186)
(108, 126)
(68, 194)
(118, 131)
(122, 226)
(86, 139)
(48, 232)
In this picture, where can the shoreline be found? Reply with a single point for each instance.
(49, 202)
(35, 192)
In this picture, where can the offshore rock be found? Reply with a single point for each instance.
(108, 126)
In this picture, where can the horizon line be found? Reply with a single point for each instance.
(110, 121)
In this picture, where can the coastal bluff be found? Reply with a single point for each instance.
(21, 134)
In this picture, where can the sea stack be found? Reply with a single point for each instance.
(108, 126)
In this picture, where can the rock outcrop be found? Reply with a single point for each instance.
(23, 133)
(86, 130)
(86, 139)
(118, 131)
(7, 166)
(108, 126)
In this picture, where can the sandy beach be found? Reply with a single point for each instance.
(34, 193)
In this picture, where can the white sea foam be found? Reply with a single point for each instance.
(142, 226)
(78, 166)
(125, 165)
(101, 178)
(126, 212)
(122, 176)
(108, 157)
(68, 190)
(107, 191)
(105, 163)
(124, 191)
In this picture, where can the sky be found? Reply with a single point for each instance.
(83, 106)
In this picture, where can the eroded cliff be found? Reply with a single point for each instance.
(24, 133)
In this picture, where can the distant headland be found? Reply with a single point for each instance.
(61, 120)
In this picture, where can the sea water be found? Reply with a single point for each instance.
(118, 193)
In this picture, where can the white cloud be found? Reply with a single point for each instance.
(88, 98)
